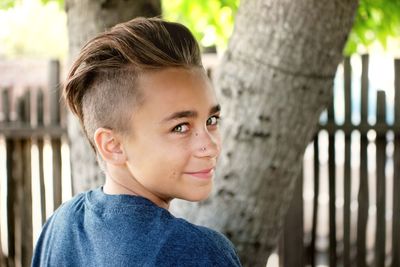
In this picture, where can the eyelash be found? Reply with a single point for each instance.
(217, 117)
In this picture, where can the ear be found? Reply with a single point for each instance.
(109, 146)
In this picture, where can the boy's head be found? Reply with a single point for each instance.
(101, 86)
(148, 109)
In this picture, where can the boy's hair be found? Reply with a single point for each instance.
(101, 87)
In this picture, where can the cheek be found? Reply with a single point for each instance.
(176, 159)
(171, 156)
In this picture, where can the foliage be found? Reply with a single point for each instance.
(212, 21)
(32, 29)
(376, 20)
(6, 4)
(59, 2)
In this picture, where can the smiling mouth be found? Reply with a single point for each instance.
(204, 174)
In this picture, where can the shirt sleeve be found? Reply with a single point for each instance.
(223, 246)
(195, 247)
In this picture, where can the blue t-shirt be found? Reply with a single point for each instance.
(96, 229)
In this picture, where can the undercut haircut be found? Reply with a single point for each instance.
(101, 87)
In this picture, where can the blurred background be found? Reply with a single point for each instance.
(358, 126)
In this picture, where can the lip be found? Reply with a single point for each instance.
(204, 174)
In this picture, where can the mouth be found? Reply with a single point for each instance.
(204, 174)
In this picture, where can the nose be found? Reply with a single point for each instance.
(207, 144)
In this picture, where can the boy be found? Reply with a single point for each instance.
(150, 114)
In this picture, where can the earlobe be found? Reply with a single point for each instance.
(109, 146)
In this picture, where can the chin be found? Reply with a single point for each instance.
(198, 196)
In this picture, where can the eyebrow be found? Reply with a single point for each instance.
(189, 114)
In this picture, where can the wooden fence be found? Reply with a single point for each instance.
(298, 248)
(347, 250)
(19, 131)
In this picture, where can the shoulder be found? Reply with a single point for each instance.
(67, 211)
(56, 230)
(196, 245)
(208, 235)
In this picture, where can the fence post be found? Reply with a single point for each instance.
(363, 199)
(19, 194)
(55, 119)
(396, 174)
(380, 183)
(5, 111)
(332, 187)
(40, 145)
(26, 189)
(292, 254)
(347, 167)
(11, 187)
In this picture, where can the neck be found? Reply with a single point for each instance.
(117, 184)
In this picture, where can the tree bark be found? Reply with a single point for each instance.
(86, 18)
(273, 82)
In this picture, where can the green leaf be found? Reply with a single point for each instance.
(211, 22)
(59, 2)
(376, 21)
(6, 4)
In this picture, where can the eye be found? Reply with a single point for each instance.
(181, 128)
(213, 120)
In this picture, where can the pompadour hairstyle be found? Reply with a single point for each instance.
(101, 87)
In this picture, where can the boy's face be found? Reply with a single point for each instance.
(174, 135)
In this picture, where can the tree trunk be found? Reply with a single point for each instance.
(86, 18)
(274, 80)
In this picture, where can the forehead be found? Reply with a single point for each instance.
(173, 89)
